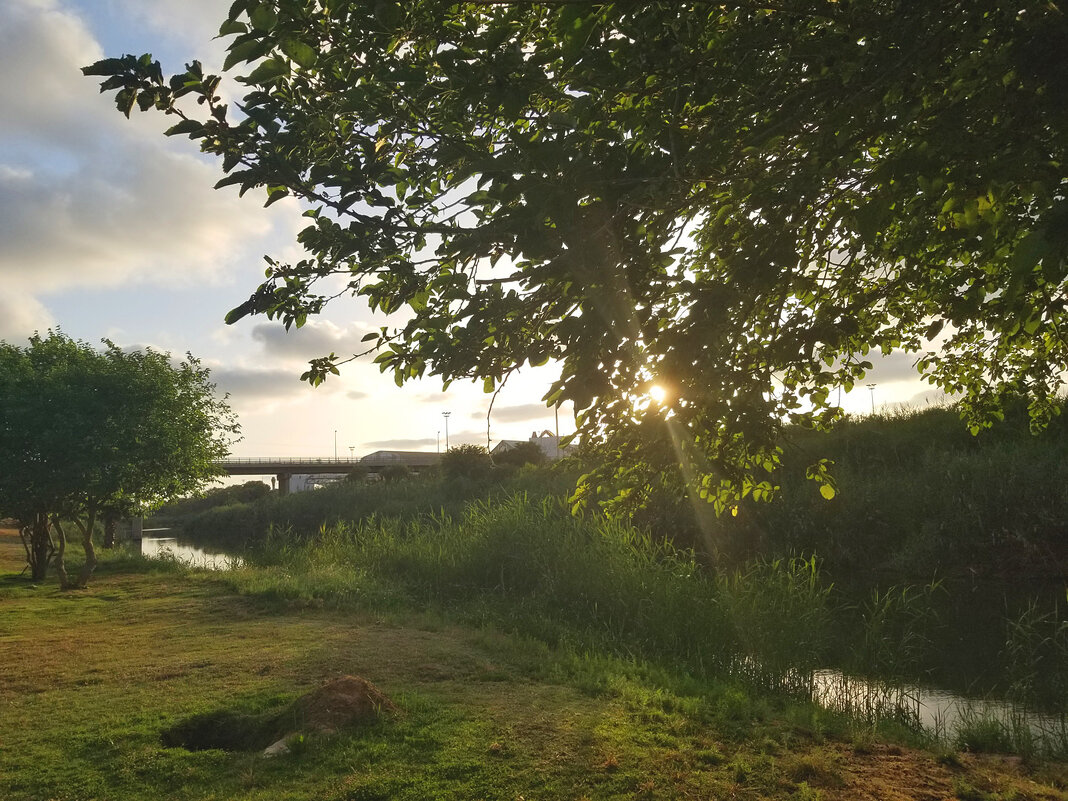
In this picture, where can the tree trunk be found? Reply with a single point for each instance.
(90, 551)
(61, 564)
(39, 546)
(111, 523)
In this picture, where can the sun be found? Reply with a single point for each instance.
(657, 393)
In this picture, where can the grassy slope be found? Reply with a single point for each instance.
(89, 680)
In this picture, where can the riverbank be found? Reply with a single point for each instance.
(92, 679)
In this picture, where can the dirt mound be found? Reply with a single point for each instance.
(339, 703)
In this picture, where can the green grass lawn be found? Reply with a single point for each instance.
(90, 680)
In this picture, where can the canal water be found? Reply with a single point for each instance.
(155, 544)
(940, 712)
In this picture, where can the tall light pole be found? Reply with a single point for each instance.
(871, 389)
(446, 416)
(352, 452)
(439, 440)
(335, 444)
(557, 410)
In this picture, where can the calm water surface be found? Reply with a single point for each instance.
(937, 711)
(155, 544)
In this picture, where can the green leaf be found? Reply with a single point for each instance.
(827, 491)
(231, 27)
(301, 53)
(270, 70)
(185, 127)
(419, 301)
(241, 51)
(263, 17)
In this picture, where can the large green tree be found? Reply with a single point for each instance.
(736, 200)
(90, 434)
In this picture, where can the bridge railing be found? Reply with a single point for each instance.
(287, 460)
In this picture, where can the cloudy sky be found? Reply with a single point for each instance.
(109, 229)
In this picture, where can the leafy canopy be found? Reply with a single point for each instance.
(84, 432)
(735, 201)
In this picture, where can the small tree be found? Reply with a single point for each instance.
(90, 434)
(395, 472)
(466, 461)
(357, 475)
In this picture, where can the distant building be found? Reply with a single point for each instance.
(547, 441)
(507, 445)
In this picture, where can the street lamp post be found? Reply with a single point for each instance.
(871, 389)
(335, 444)
(439, 441)
(352, 452)
(446, 416)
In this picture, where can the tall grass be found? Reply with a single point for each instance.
(529, 565)
(918, 495)
(1036, 658)
(302, 515)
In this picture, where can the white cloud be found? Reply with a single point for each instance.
(316, 338)
(88, 198)
(20, 316)
(43, 93)
(517, 414)
(151, 222)
(250, 384)
(196, 22)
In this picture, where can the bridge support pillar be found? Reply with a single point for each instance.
(283, 483)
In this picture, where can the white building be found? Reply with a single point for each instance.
(547, 441)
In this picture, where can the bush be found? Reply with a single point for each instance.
(395, 472)
(248, 492)
(466, 461)
(357, 474)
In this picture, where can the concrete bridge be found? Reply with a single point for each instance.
(284, 468)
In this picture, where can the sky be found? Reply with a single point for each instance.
(108, 229)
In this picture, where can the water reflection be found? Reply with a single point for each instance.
(154, 547)
(937, 711)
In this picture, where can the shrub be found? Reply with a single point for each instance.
(395, 472)
(357, 474)
(466, 461)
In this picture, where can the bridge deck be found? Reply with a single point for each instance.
(258, 466)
